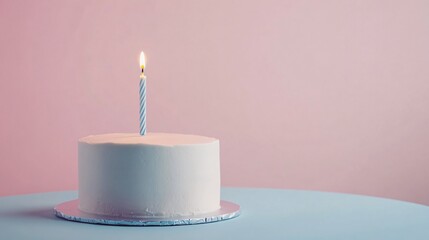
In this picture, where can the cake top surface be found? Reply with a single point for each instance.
(160, 139)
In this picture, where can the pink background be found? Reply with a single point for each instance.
(321, 95)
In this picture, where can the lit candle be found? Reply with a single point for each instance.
(142, 95)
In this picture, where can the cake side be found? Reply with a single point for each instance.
(164, 175)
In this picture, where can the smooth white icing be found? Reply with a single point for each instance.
(161, 139)
(158, 175)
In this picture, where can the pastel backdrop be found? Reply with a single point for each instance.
(318, 95)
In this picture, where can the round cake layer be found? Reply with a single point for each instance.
(157, 175)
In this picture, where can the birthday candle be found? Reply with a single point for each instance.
(142, 93)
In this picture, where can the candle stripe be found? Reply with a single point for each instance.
(142, 93)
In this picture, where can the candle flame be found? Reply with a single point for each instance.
(142, 61)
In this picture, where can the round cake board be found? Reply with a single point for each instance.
(70, 211)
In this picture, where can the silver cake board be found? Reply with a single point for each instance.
(70, 211)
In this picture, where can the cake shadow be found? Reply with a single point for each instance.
(39, 213)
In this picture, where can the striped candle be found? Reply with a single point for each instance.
(142, 93)
(142, 106)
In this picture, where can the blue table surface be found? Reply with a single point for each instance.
(266, 213)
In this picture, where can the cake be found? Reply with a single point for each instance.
(156, 175)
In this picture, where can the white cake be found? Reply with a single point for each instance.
(156, 175)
